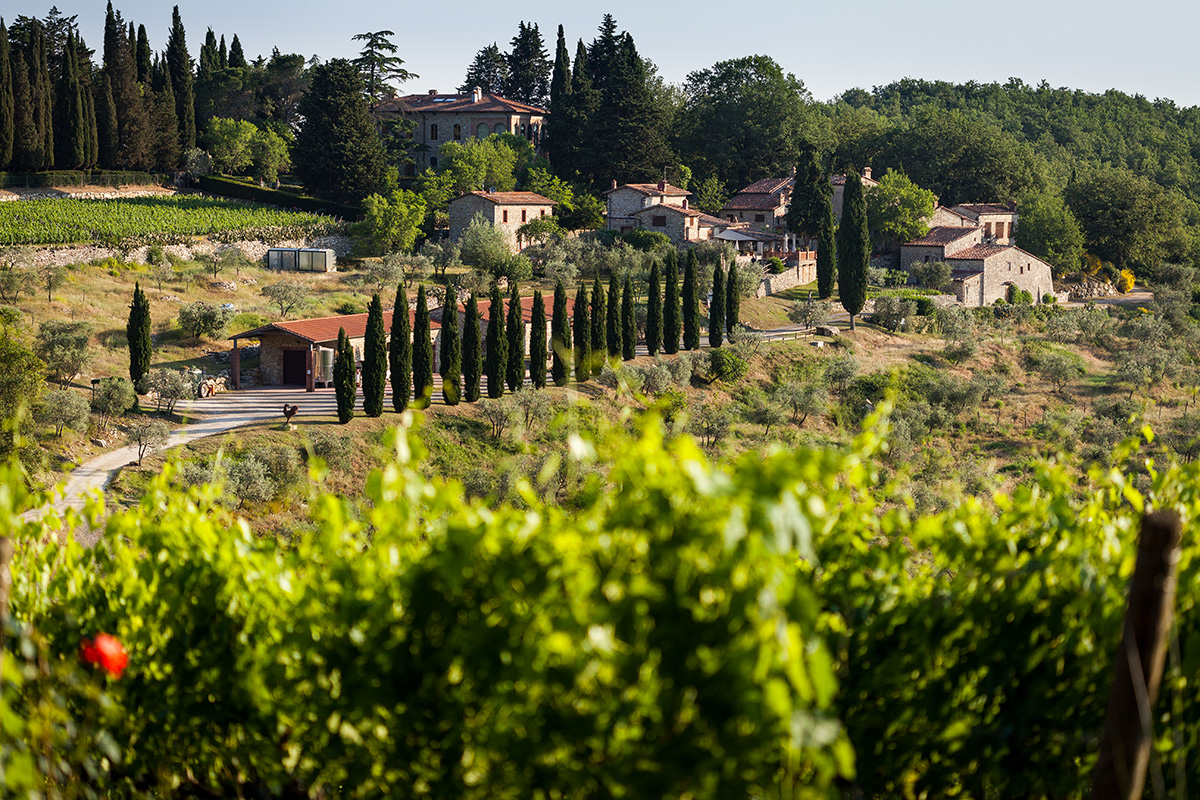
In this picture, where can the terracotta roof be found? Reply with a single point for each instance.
(982, 208)
(457, 104)
(717, 222)
(770, 185)
(485, 307)
(651, 189)
(958, 214)
(320, 330)
(745, 201)
(510, 198)
(978, 252)
(943, 234)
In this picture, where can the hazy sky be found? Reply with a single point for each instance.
(1147, 47)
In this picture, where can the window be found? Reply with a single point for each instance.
(458, 133)
(433, 131)
(482, 131)
(760, 218)
(523, 215)
(504, 215)
(987, 229)
(499, 128)
(433, 162)
(659, 221)
(685, 202)
(543, 213)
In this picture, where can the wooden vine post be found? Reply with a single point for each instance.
(1128, 725)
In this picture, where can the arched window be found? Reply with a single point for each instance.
(433, 131)
(499, 128)
(524, 129)
(482, 131)
(458, 133)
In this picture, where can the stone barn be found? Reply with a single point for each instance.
(300, 352)
(507, 211)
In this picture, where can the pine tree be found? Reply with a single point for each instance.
(514, 371)
(489, 71)
(495, 359)
(107, 137)
(7, 112)
(628, 322)
(654, 312)
(671, 321)
(472, 355)
(180, 63)
(142, 56)
(345, 378)
(422, 361)
(629, 129)
(560, 338)
(374, 363)
(716, 309)
(827, 252)
(596, 341)
(612, 320)
(338, 153)
(691, 305)
(560, 100)
(733, 299)
(853, 248)
(137, 333)
(528, 67)
(537, 342)
(603, 53)
(400, 351)
(451, 360)
(583, 334)
(237, 59)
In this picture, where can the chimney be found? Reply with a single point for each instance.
(662, 186)
(614, 183)
(867, 173)
(793, 170)
(433, 92)
(476, 94)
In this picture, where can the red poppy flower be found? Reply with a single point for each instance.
(105, 651)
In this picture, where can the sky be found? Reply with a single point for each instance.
(1144, 48)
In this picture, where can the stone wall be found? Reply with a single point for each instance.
(463, 210)
(84, 193)
(253, 249)
(805, 272)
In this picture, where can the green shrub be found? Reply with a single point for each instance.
(347, 307)
(646, 241)
(774, 265)
(726, 366)
(248, 321)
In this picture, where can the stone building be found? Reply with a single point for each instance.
(507, 211)
(999, 222)
(681, 224)
(300, 352)
(441, 118)
(763, 205)
(982, 271)
(624, 201)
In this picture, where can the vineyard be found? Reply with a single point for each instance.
(150, 220)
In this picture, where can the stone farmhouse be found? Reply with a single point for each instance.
(982, 271)
(659, 207)
(999, 222)
(763, 205)
(300, 352)
(442, 118)
(507, 211)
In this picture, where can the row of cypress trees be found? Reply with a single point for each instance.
(603, 328)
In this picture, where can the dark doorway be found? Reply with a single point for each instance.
(294, 367)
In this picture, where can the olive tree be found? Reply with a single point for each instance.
(148, 436)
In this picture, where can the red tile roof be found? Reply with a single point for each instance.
(978, 252)
(770, 186)
(745, 201)
(651, 189)
(320, 330)
(958, 214)
(511, 198)
(459, 103)
(941, 235)
(717, 222)
(485, 308)
(976, 209)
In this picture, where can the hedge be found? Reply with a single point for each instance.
(228, 187)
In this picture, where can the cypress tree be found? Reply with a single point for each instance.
(630, 135)
(344, 378)
(495, 360)
(422, 361)
(560, 99)
(583, 336)
(671, 321)
(7, 112)
(161, 103)
(70, 117)
(853, 248)
(137, 333)
(375, 360)
(514, 370)
(237, 59)
(691, 305)
(210, 60)
(107, 137)
(628, 322)
(596, 329)
(130, 115)
(560, 338)
(400, 351)
(716, 309)
(43, 96)
(612, 321)
(472, 355)
(537, 342)
(574, 157)
(451, 360)
(87, 91)
(224, 53)
(811, 191)
(24, 157)
(142, 56)
(826, 252)
(733, 298)
(654, 312)
(180, 63)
